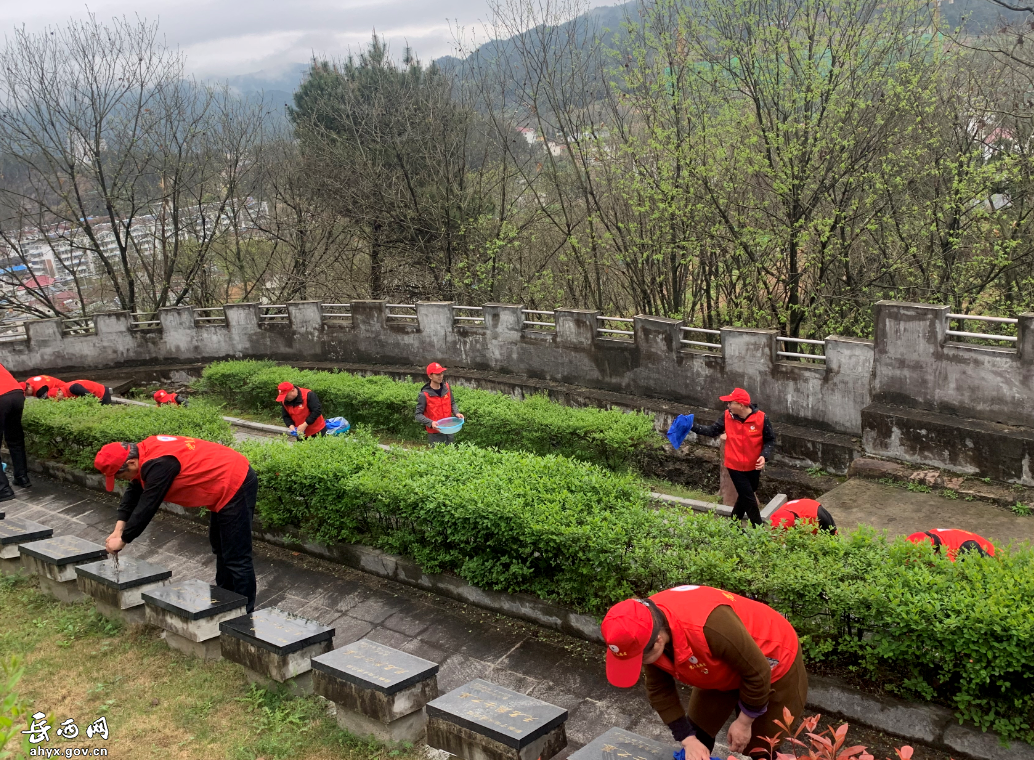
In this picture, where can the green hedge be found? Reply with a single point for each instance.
(958, 633)
(386, 406)
(961, 634)
(72, 430)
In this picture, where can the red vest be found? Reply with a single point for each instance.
(798, 509)
(7, 382)
(300, 412)
(94, 389)
(438, 407)
(38, 381)
(952, 539)
(743, 441)
(687, 608)
(210, 473)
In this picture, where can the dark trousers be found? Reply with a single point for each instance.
(11, 405)
(106, 399)
(746, 483)
(229, 531)
(709, 708)
(446, 439)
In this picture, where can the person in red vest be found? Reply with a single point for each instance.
(434, 403)
(733, 651)
(42, 386)
(80, 388)
(163, 398)
(749, 441)
(12, 403)
(803, 511)
(192, 473)
(302, 410)
(954, 541)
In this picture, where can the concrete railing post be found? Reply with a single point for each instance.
(503, 322)
(178, 329)
(111, 323)
(306, 316)
(368, 318)
(657, 336)
(848, 356)
(435, 318)
(576, 328)
(436, 327)
(242, 317)
(909, 353)
(42, 331)
(749, 357)
(1025, 344)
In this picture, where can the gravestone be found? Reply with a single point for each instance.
(54, 561)
(116, 588)
(619, 744)
(274, 645)
(378, 690)
(482, 721)
(13, 533)
(190, 611)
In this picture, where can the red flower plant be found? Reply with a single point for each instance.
(808, 745)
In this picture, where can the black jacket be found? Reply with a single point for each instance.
(315, 408)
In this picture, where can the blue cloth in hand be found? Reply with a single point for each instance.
(681, 754)
(680, 428)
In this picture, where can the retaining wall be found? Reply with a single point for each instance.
(911, 365)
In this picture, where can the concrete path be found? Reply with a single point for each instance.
(900, 512)
(467, 642)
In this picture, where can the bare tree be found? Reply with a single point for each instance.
(126, 168)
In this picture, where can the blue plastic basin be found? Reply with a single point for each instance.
(450, 425)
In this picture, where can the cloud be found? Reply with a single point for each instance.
(229, 37)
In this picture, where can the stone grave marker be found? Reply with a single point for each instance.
(190, 611)
(117, 589)
(483, 721)
(54, 561)
(13, 533)
(619, 744)
(274, 645)
(378, 690)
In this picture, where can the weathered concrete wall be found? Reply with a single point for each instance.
(912, 366)
(653, 365)
(918, 366)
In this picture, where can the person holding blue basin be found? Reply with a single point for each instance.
(436, 407)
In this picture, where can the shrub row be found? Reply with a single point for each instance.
(386, 406)
(958, 633)
(72, 430)
(961, 634)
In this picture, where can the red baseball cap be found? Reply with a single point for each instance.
(626, 630)
(739, 395)
(160, 396)
(434, 368)
(109, 460)
(284, 388)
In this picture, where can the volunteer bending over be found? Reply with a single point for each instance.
(192, 473)
(301, 409)
(737, 654)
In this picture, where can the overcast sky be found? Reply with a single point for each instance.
(230, 37)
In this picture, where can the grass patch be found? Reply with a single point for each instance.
(157, 703)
